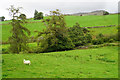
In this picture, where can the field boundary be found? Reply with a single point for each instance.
(102, 26)
(83, 27)
(97, 46)
(26, 22)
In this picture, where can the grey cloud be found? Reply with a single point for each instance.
(66, 7)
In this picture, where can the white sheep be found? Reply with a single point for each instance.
(26, 62)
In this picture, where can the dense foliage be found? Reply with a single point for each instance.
(79, 36)
(55, 37)
(22, 16)
(18, 40)
(106, 13)
(38, 15)
(100, 39)
(2, 18)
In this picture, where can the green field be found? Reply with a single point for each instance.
(84, 21)
(104, 31)
(94, 62)
(89, 63)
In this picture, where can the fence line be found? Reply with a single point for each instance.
(83, 27)
(102, 26)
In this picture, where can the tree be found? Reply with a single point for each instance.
(35, 14)
(55, 37)
(38, 15)
(22, 16)
(18, 40)
(2, 18)
(106, 13)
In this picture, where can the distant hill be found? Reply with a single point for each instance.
(98, 12)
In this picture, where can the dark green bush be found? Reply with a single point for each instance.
(79, 36)
(97, 41)
(111, 40)
(4, 51)
(100, 39)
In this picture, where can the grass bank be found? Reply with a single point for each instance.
(89, 63)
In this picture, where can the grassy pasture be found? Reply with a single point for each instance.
(104, 31)
(6, 46)
(81, 63)
(93, 31)
(84, 21)
(31, 26)
(89, 63)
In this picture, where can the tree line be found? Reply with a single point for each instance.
(56, 36)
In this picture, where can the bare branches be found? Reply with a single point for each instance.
(14, 12)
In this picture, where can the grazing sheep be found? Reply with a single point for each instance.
(26, 62)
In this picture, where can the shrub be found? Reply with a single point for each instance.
(100, 35)
(97, 41)
(111, 40)
(4, 51)
(79, 36)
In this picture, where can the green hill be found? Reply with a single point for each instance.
(84, 21)
(89, 63)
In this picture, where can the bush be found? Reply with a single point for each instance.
(97, 41)
(111, 40)
(100, 39)
(4, 51)
(79, 36)
(105, 39)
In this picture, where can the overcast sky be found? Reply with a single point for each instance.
(65, 6)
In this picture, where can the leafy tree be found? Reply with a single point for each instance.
(38, 15)
(55, 37)
(79, 35)
(22, 16)
(106, 13)
(18, 40)
(2, 18)
(35, 14)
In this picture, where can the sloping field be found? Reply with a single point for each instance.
(84, 21)
(104, 31)
(89, 63)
